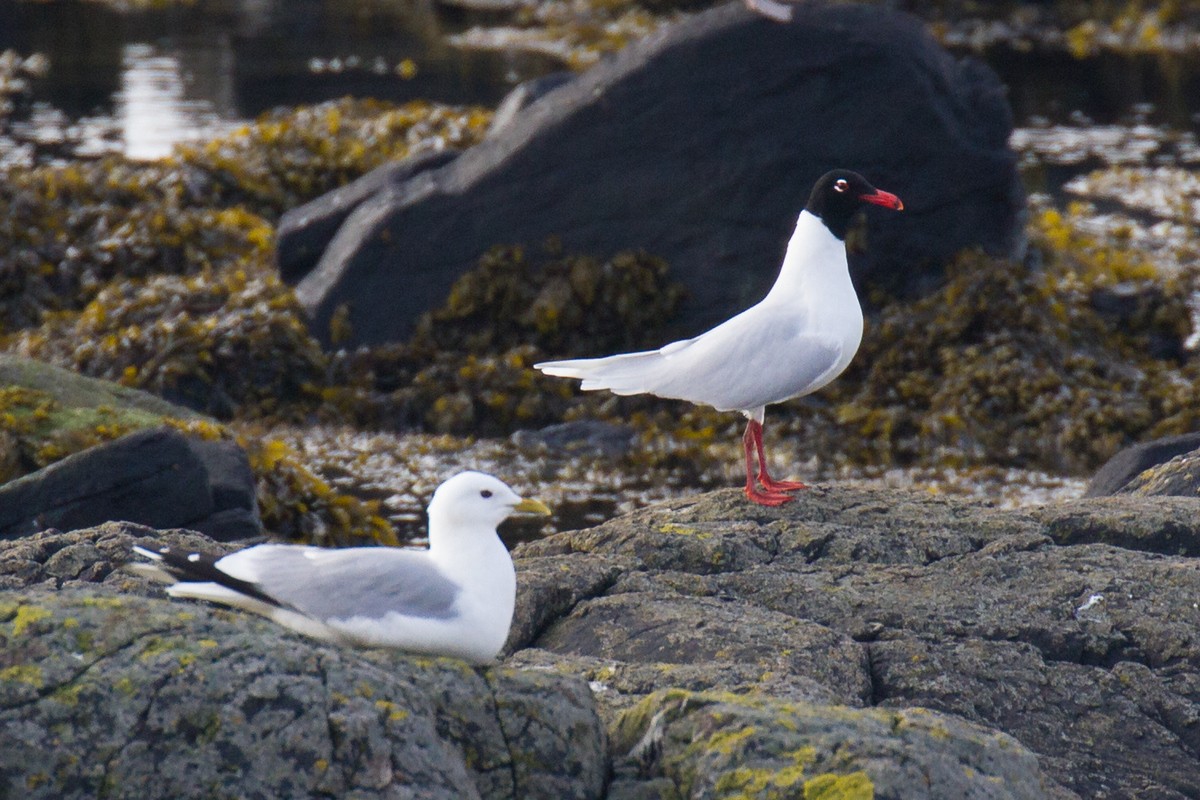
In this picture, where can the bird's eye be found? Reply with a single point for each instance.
(486, 493)
(840, 185)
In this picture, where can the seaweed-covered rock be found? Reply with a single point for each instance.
(106, 694)
(713, 134)
(1084, 653)
(467, 368)
(220, 344)
(155, 477)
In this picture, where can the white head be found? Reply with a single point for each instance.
(473, 500)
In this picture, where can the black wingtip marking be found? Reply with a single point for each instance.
(195, 567)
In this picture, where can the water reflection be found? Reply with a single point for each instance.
(141, 82)
(153, 110)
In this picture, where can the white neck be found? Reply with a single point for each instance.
(814, 269)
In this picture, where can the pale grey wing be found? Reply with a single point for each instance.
(757, 358)
(356, 582)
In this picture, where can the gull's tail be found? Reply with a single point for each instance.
(628, 373)
(196, 575)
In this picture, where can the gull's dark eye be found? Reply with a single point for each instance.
(486, 493)
(840, 185)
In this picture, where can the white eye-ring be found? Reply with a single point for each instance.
(840, 185)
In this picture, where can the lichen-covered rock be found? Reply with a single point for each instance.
(1119, 471)
(1084, 653)
(1178, 477)
(1166, 525)
(711, 745)
(54, 559)
(113, 695)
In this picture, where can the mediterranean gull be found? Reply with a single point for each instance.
(454, 599)
(798, 338)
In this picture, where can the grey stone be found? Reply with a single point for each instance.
(701, 745)
(700, 145)
(590, 436)
(112, 695)
(156, 477)
(304, 231)
(1085, 653)
(150, 477)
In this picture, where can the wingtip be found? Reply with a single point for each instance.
(153, 555)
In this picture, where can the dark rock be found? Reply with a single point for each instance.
(523, 96)
(55, 559)
(580, 436)
(1159, 525)
(109, 695)
(730, 648)
(1136, 459)
(700, 146)
(303, 232)
(155, 477)
(230, 478)
(1085, 653)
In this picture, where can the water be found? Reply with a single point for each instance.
(140, 82)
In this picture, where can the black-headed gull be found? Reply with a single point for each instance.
(798, 338)
(455, 599)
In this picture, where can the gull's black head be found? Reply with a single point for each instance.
(840, 193)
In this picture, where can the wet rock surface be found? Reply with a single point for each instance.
(545, 176)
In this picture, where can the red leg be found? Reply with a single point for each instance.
(751, 441)
(769, 483)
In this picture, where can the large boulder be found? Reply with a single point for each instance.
(156, 477)
(105, 692)
(699, 145)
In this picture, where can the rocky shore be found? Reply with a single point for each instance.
(872, 643)
(670, 641)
